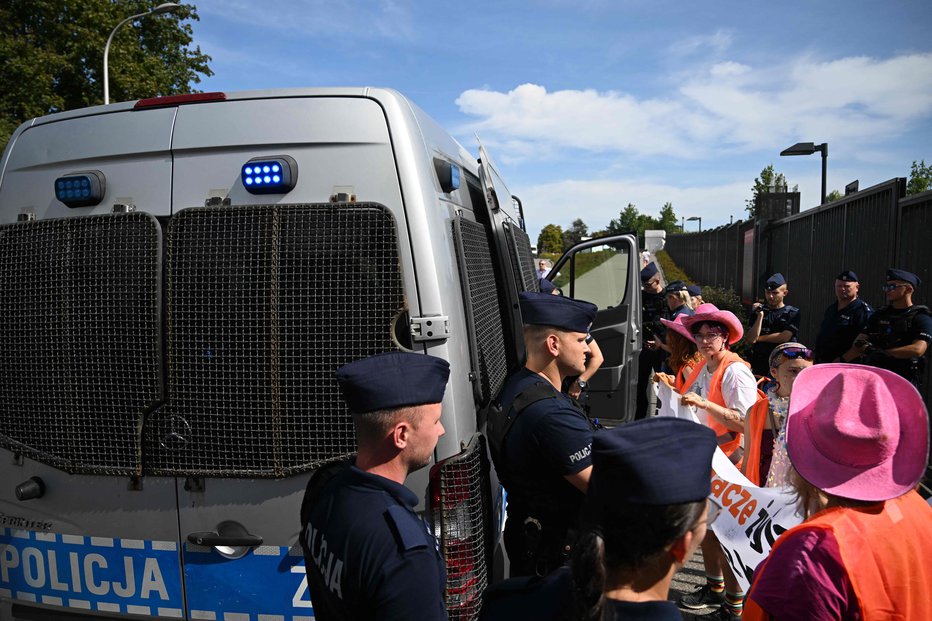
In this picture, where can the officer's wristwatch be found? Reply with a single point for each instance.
(583, 384)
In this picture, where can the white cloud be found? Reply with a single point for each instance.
(850, 102)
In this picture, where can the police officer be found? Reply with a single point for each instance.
(695, 296)
(654, 308)
(843, 320)
(771, 324)
(368, 555)
(897, 336)
(646, 512)
(544, 458)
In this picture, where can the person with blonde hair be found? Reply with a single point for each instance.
(765, 461)
(858, 440)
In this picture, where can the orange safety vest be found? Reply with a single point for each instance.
(729, 441)
(754, 423)
(886, 554)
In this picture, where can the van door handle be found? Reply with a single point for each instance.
(230, 534)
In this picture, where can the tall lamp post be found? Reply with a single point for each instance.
(162, 8)
(808, 148)
(693, 219)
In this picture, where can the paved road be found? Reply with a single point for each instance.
(687, 580)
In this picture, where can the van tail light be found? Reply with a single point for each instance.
(461, 510)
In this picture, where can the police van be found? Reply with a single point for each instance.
(179, 279)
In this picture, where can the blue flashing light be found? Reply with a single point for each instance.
(270, 175)
(81, 189)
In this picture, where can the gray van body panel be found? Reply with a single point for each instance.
(372, 143)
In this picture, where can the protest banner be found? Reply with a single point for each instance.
(752, 517)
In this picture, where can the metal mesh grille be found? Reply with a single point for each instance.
(264, 304)
(521, 260)
(80, 324)
(483, 307)
(465, 528)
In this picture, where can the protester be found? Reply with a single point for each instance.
(724, 388)
(858, 439)
(646, 512)
(765, 459)
(684, 355)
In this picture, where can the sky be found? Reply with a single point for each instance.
(588, 105)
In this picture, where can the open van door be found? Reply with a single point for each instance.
(605, 272)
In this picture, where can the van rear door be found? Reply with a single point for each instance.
(605, 272)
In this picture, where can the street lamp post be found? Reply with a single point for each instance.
(162, 8)
(693, 219)
(808, 148)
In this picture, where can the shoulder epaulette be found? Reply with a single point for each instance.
(410, 531)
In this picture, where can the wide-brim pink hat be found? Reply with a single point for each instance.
(677, 326)
(857, 432)
(710, 312)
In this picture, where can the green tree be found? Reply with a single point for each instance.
(668, 220)
(920, 178)
(833, 196)
(52, 53)
(769, 181)
(630, 220)
(575, 233)
(550, 240)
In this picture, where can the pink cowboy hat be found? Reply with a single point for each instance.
(710, 312)
(857, 432)
(677, 326)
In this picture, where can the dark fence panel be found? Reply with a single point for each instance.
(914, 253)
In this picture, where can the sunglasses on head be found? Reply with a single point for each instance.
(797, 352)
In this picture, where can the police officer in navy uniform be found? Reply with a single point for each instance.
(645, 514)
(897, 336)
(771, 324)
(368, 555)
(544, 461)
(843, 320)
(650, 359)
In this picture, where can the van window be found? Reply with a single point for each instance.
(598, 274)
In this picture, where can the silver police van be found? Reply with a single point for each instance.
(179, 279)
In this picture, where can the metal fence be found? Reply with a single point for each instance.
(868, 231)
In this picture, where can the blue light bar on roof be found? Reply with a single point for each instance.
(270, 175)
(81, 189)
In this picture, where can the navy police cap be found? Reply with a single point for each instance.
(694, 290)
(393, 380)
(547, 286)
(649, 271)
(543, 309)
(676, 286)
(896, 274)
(654, 461)
(847, 276)
(775, 281)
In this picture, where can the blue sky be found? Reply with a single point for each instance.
(587, 105)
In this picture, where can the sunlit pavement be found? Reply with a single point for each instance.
(687, 580)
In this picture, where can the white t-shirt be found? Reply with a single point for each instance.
(739, 388)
